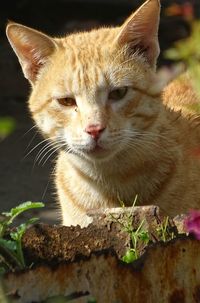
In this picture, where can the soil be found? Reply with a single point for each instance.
(52, 244)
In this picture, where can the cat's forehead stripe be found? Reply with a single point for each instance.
(85, 59)
(88, 46)
(87, 78)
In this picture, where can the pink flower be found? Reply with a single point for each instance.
(192, 223)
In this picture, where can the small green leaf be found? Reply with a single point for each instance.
(14, 212)
(31, 221)
(130, 256)
(144, 236)
(11, 251)
(23, 207)
(8, 244)
(20, 230)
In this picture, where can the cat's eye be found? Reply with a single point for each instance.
(117, 94)
(68, 101)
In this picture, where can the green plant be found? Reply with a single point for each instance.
(7, 125)
(187, 50)
(164, 230)
(11, 253)
(138, 237)
(141, 237)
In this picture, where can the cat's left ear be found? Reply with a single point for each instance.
(140, 31)
(32, 48)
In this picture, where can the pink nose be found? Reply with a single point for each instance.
(94, 130)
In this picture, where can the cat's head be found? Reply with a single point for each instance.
(90, 90)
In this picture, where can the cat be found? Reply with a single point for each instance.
(96, 97)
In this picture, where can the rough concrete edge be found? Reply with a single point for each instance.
(45, 243)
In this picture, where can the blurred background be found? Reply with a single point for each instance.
(21, 179)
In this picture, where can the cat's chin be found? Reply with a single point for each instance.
(97, 151)
(98, 154)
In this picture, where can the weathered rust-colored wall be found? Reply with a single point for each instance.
(76, 262)
(166, 273)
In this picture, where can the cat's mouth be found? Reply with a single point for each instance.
(97, 151)
(94, 150)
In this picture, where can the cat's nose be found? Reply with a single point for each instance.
(94, 130)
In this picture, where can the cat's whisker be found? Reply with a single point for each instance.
(43, 149)
(151, 134)
(136, 137)
(31, 140)
(52, 147)
(47, 185)
(54, 151)
(33, 127)
(69, 149)
(43, 141)
(148, 144)
(46, 147)
(133, 145)
(147, 134)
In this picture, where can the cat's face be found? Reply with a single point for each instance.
(90, 97)
(90, 90)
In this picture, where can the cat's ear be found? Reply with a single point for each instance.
(140, 31)
(31, 47)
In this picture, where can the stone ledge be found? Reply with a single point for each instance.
(82, 263)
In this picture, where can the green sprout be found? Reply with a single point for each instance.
(164, 230)
(138, 237)
(11, 253)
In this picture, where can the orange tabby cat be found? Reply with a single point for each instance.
(95, 95)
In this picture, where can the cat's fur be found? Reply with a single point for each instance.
(111, 149)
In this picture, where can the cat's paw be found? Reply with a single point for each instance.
(82, 220)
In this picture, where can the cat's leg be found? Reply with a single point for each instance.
(72, 215)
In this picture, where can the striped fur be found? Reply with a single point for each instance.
(146, 145)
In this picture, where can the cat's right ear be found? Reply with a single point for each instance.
(140, 31)
(31, 47)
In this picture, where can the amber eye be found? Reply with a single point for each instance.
(67, 101)
(118, 93)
